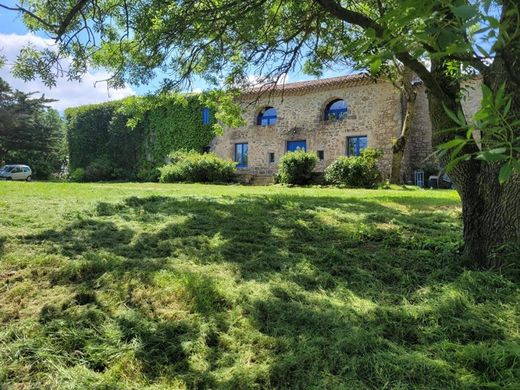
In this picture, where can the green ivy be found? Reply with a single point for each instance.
(87, 132)
(135, 134)
(175, 124)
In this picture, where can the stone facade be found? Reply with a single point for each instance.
(374, 110)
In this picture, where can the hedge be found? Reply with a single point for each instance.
(133, 136)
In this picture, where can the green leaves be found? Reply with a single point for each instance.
(465, 11)
(505, 172)
(492, 130)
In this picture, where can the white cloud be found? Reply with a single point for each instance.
(68, 93)
(257, 81)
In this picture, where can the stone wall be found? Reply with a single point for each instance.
(374, 110)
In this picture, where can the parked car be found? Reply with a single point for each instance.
(15, 172)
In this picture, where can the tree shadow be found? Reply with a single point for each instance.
(354, 293)
(270, 235)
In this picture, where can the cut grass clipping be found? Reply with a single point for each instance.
(149, 286)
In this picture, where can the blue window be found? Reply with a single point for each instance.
(241, 152)
(295, 145)
(266, 117)
(336, 110)
(356, 144)
(205, 116)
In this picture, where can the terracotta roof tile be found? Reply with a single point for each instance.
(310, 85)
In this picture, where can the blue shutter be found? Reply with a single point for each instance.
(205, 116)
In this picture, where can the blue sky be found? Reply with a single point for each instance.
(14, 35)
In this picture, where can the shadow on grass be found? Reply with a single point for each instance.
(346, 292)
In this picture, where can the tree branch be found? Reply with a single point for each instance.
(68, 19)
(363, 21)
(23, 10)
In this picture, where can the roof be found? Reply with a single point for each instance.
(302, 87)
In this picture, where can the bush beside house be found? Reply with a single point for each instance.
(296, 167)
(361, 171)
(191, 166)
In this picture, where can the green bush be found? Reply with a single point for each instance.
(77, 175)
(102, 170)
(296, 167)
(359, 171)
(147, 171)
(195, 167)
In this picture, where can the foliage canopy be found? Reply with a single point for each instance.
(30, 132)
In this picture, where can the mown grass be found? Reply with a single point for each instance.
(134, 286)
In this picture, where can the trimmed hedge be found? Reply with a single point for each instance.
(296, 167)
(196, 167)
(130, 138)
(359, 171)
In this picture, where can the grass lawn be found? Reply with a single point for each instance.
(158, 286)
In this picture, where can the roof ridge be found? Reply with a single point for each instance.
(304, 85)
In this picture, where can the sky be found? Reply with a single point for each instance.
(14, 35)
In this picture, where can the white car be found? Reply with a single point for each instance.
(15, 172)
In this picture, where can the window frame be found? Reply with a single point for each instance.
(322, 152)
(296, 140)
(342, 112)
(271, 119)
(357, 149)
(206, 116)
(241, 163)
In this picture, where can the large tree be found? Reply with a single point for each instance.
(225, 41)
(30, 132)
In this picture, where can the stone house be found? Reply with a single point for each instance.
(332, 117)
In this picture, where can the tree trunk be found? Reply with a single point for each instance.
(399, 145)
(490, 211)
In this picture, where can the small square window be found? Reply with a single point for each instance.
(321, 155)
(271, 157)
(206, 149)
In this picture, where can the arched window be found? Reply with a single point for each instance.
(336, 110)
(266, 117)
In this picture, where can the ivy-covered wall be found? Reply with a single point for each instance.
(127, 139)
(175, 124)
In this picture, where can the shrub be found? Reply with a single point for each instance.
(147, 171)
(359, 171)
(296, 167)
(100, 170)
(195, 167)
(77, 175)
